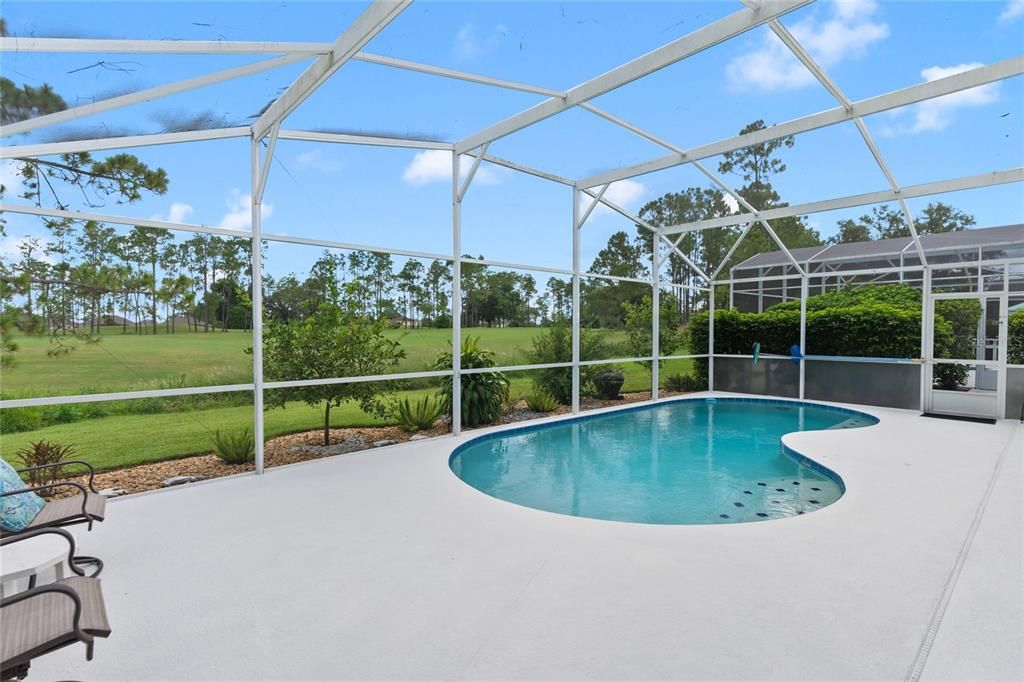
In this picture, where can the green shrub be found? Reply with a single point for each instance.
(871, 321)
(555, 345)
(898, 295)
(639, 324)
(860, 326)
(417, 415)
(684, 383)
(512, 400)
(63, 414)
(539, 400)
(19, 419)
(234, 448)
(483, 393)
(1015, 339)
(957, 339)
(44, 452)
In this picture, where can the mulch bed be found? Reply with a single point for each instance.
(308, 445)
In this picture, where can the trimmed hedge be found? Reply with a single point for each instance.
(882, 321)
(1015, 336)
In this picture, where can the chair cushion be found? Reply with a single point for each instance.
(16, 511)
(69, 508)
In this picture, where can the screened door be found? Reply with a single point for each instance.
(967, 346)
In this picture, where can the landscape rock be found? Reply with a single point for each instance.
(112, 492)
(345, 446)
(418, 436)
(178, 480)
(384, 443)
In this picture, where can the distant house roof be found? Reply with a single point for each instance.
(880, 248)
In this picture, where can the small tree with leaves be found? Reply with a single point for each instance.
(334, 341)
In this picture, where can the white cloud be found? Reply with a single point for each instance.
(470, 45)
(10, 178)
(239, 215)
(10, 248)
(730, 201)
(938, 114)
(625, 193)
(435, 165)
(177, 213)
(315, 160)
(1014, 9)
(845, 35)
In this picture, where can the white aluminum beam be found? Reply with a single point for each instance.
(819, 73)
(621, 211)
(122, 395)
(348, 246)
(260, 184)
(371, 140)
(731, 251)
(881, 197)
(109, 46)
(800, 53)
(308, 49)
(455, 75)
(456, 302)
(128, 142)
(472, 171)
(145, 95)
(497, 160)
(639, 221)
(701, 39)
(873, 105)
(686, 259)
(121, 220)
(367, 25)
(595, 200)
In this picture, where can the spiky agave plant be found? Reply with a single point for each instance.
(417, 415)
(234, 448)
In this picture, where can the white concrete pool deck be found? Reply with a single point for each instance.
(384, 565)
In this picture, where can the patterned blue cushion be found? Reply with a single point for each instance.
(16, 511)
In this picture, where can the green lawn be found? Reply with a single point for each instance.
(122, 362)
(129, 362)
(125, 440)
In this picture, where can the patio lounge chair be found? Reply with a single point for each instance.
(86, 507)
(49, 617)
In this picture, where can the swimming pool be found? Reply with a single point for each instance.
(690, 461)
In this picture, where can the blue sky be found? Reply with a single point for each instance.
(401, 198)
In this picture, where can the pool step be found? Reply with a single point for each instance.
(851, 423)
(778, 498)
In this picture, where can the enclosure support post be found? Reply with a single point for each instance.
(926, 335)
(576, 299)
(257, 299)
(655, 313)
(804, 290)
(711, 336)
(456, 423)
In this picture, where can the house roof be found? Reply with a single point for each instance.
(880, 248)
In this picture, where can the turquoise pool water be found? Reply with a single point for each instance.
(695, 461)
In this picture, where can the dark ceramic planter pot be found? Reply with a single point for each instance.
(608, 385)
